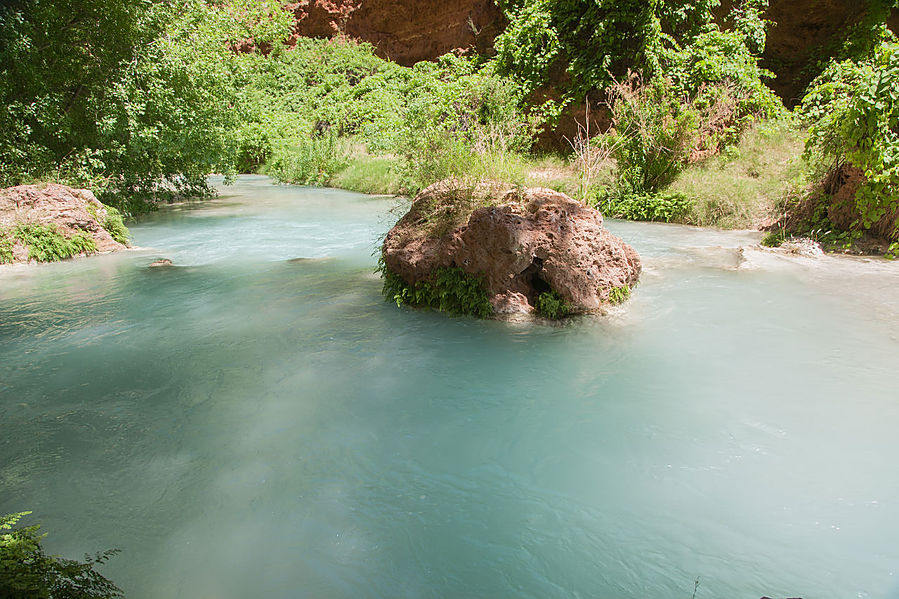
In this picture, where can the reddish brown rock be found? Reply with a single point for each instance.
(59, 205)
(522, 244)
(404, 31)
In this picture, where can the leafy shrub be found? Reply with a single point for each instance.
(653, 132)
(648, 207)
(552, 305)
(6, 244)
(451, 290)
(26, 572)
(460, 120)
(46, 244)
(595, 40)
(854, 115)
(312, 161)
(140, 108)
(113, 222)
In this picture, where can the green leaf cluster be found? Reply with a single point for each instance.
(112, 221)
(309, 106)
(450, 290)
(661, 207)
(27, 572)
(47, 244)
(552, 305)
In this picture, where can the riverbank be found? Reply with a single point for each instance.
(740, 189)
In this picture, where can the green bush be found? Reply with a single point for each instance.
(450, 290)
(552, 305)
(653, 133)
(647, 207)
(46, 244)
(26, 572)
(312, 161)
(853, 111)
(6, 245)
(137, 100)
(113, 222)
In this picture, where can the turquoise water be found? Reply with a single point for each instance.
(258, 422)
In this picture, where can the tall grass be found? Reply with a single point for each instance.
(743, 186)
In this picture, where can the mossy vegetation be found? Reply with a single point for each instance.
(450, 290)
(47, 244)
(552, 305)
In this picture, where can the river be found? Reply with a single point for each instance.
(257, 421)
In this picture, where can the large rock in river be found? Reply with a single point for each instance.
(521, 242)
(67, 212)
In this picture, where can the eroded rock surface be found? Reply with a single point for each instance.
(407, 31)
(527, 243)
(71, 210)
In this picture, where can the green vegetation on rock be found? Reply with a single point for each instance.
(451, 290)
(552, 305)
(113, 222)
(47, 244)
(6, 245)
(619, 295)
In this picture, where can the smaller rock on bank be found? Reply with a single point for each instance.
(525, 247)
(53, 222)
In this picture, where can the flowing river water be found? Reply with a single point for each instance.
(257, 421)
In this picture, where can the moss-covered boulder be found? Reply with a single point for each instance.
(46, 223)
(526, 250)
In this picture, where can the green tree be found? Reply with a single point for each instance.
(135, 99)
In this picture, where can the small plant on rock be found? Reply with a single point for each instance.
(619, 295)
(113, 222)
(6, 243)
(552, 305)
(451, 290)
(46, 244)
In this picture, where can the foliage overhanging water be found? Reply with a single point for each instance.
(257, 421)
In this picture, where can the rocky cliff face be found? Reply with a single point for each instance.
(803, 32)
(528, 243)
(405, 31)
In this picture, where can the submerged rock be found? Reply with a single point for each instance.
(161, 263)
(52, 222)
(521, 244)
